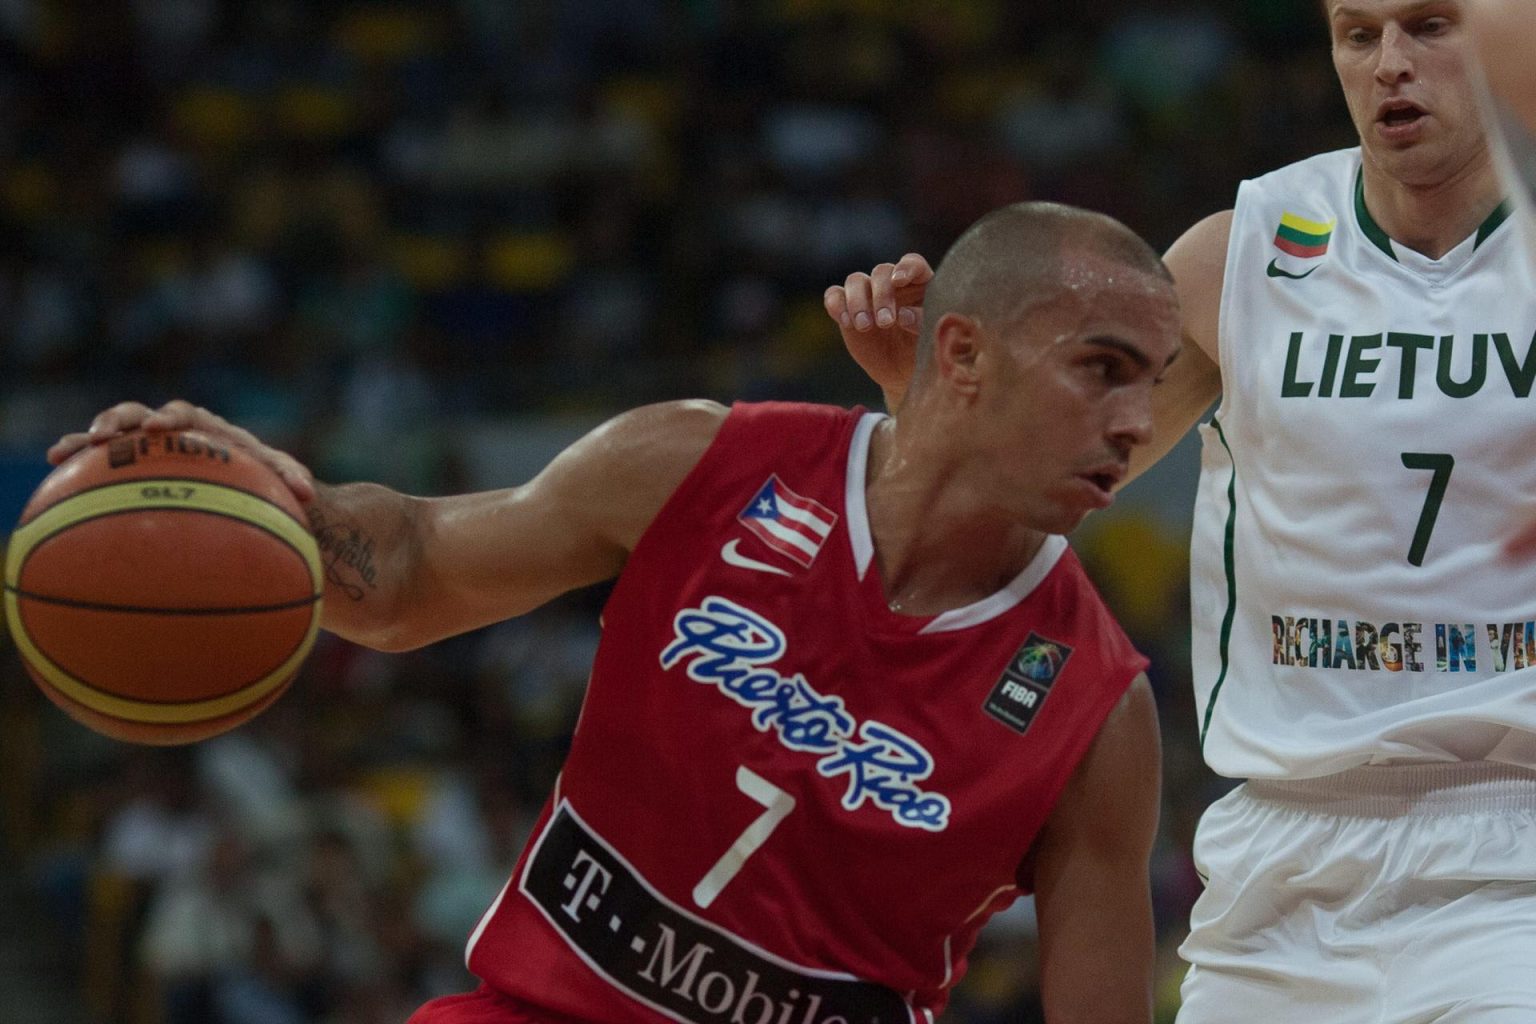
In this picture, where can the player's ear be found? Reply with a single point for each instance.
(957, 345)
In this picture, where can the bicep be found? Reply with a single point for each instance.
(494, 555)
(1092, 886)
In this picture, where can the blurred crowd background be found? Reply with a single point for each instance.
(427, 242)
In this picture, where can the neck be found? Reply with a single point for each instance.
(936, 546)
(1432, 219)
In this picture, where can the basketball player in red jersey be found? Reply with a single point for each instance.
(854, 693)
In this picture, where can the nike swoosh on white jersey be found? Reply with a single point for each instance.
(741, 561)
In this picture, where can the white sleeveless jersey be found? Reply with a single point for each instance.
(1374, 447)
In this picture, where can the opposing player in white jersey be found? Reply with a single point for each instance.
(1365, 648)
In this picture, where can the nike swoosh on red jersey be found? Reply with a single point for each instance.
(741, 561)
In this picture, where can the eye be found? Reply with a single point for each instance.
(1358, 36)
(1107, 368)
(1434, 26)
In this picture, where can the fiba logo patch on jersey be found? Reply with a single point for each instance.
(1026, 682)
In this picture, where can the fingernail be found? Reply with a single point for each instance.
(861, 321)
(843, 320)
(900, 277)
(885, 318)
(908, 317)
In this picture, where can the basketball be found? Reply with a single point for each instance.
(162, 588)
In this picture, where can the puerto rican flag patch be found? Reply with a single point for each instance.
(792, 525)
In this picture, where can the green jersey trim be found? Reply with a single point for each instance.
(1378, 237)
(1383, 241)
(1231, 569)
(1499, 215)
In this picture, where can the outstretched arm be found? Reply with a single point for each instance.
(402, 571)
(1092, 886)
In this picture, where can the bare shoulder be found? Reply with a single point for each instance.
(632, 463)
(665, 428)
(1134, 715)
(1127, 747)
(1204, 244)
(655, 446)
(1198, 262)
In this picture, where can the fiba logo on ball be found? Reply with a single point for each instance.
(163, 588)
(127, 450)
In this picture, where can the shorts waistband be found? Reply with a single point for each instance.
(1393, 791)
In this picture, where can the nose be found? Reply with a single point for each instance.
(1394, 62)
(1131, 424)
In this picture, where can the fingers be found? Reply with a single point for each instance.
(888, 296)
(294, 473)
(859, 291)
(119, 419)
(883, 295)
(835, 299)
(911, 269)
(852, 304)
(67, 445)
(183, 415)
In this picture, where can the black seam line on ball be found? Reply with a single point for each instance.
(99, 606)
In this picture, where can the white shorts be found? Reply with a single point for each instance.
(1392, 895)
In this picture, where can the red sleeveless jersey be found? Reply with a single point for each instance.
(784, 803)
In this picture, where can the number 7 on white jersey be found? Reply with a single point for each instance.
(778, 804)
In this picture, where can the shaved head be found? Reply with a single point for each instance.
(1021, 256)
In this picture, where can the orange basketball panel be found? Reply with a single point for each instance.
(165, 658)
(166, 558)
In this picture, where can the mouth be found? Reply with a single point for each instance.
(1103, 482)
(1398, 114)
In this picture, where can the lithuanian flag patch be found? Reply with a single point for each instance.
(1303, 238)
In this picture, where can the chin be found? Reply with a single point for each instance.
(1419, 163)
(1064, 522)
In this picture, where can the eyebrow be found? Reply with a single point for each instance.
(1135, 354)
(1405, 12)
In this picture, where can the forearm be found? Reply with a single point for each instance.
(1097, 961)
(1093, 891)
(370, 551)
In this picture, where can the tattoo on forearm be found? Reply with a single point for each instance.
(347, 554)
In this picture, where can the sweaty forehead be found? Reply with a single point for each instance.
(1093, 276)
(1104, 297)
